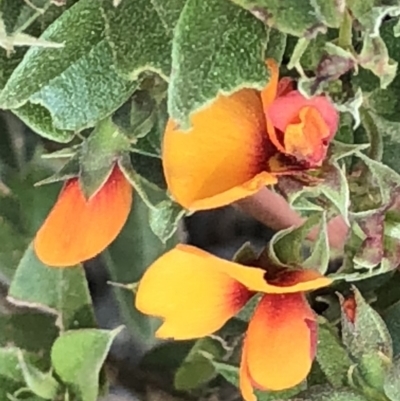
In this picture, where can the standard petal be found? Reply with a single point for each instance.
(223, 150)
(190, 291)
(252, 278)
(78, 229)
(286, 108)
(280, 342)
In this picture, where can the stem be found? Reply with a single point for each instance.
(346, 32)
(375, 138)
(299, 49)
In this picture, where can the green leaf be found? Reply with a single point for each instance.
(30, 331)
(39, 120)
(287, 246)
(8, 62)
(143, 118)
(127, 258)
(296, 17)
(76, 84)
(164, 219)
(374, 56)
(331, 356)
(69, 170)
(320, 255)
(166, 356)
(78, 356)
(60, 291)
(22, 209)
(367, 339)
(42, 384)
(11, 378)
(392, 382)
(325, 393)
(100, 151)
(276, 45)
(36, 16)
(197, 368)
(385, 102)
(247, 312)
(371, 13)
(8, 42)
(14, 243)
(11, 375)
(128, 27)
(217, 47)
(386, 178)
(333, 186)
(392, 320)
(137, 116)
(391, 145)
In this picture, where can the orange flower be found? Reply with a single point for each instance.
(77, 228)
(242, 142)
(195, 293)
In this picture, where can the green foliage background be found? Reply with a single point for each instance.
(95, 80)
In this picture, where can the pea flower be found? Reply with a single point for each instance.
(244, 141)
(195, 293)
(77, 228)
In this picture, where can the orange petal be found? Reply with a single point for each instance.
(306, 137)
(240, 192)
(280, 342)
(268, 94)
(349, 307)
(223, 150)
(191, 292)
(245, 383)
(286, 108)
(78, 229)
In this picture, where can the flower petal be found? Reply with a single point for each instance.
(280, 342)
(298, 280)
(224, 149)
(191, 292)
(268, 94)
(245, 384)
(286, 108)
(307, 137)
(240, 192)
(253, 278)
(78, 229)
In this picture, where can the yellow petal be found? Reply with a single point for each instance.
(224, 150)
(78, 229)
(280, 342)
(190, 293)
(253, 278)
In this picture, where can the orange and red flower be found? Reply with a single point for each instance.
(243, 141)
(77, 228)
(195, 293)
